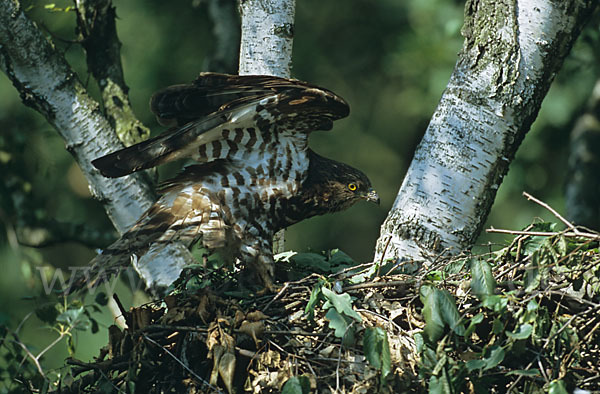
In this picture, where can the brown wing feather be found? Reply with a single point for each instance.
(214, 99)
(210, 92)
(171, 145)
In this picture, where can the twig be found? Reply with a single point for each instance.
(51, 345)
(30, 355)
(544, 233)
(182, 364)
(549, 208)
(387, 244)
(279, 293)
(165, 327)
(393, 283)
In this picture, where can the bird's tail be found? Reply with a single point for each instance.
(117, 257)
(182, 214)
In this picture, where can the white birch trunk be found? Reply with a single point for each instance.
(266, 47)
(47, 84)
(511, 53)
(267, 37)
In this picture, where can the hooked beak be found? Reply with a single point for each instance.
(372, 196)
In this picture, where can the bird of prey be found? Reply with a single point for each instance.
(253, 175)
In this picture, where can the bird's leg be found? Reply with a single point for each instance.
(259, 257)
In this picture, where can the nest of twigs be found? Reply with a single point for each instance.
(525, 318)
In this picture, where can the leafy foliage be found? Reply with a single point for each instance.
(23, 363)
(531, 306)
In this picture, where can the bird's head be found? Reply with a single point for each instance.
(339, 185)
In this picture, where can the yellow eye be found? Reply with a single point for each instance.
(352, 186)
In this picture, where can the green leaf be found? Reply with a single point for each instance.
(47, 313)
(296, 385)
(496, 303)
(532, 277)
(523, 332)
(341, 302)
(377, 350)
(456, 267)
(475, 320)
(312, 262)
(439, 310)
(341, 325)
(497, 326)
(483, 283)
(75, 318)
(315, 295)
(101, 299)
(339, 258)
(70, 316)
(475, 364)
(536, 243)
(557, 387)
(372, 341)
(495, 358)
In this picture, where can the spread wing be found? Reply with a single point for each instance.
(219, 114)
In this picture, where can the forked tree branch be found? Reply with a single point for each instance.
(47, 84)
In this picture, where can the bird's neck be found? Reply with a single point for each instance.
(314, 197)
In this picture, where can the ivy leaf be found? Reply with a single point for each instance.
(312, 262)
(538, 243)
(475, 364)
(532, 277)
(496, 303)
(339, 258)
(284, 256)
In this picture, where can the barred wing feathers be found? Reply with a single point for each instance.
(214, 106)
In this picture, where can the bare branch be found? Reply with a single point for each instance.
(96, 26)
(552, 210)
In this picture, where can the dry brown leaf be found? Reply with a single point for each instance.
(227, 370)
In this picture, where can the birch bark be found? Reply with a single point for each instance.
(46, 83)
(266, 47)
(511, 53)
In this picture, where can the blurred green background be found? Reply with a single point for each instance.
(389, 59)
